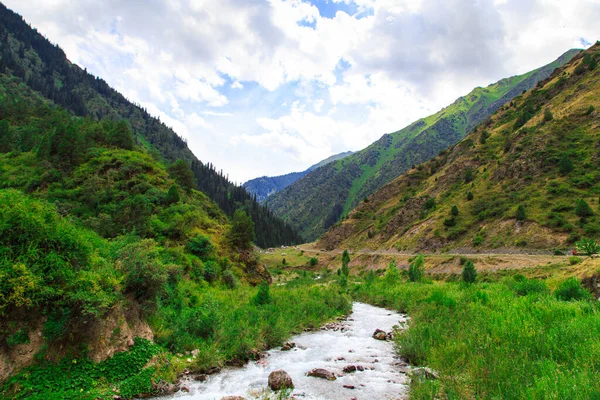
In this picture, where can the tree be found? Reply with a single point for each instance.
(183, 175)
(5, 139)
(548, 115)
(313, 261)
(520, 213)
(172, 196)
(587, 246)
(469, 196)
(345, 262)
(469, 175)
(392, 275)
(201, 247)
(241, 233)
(415, 269)
(469, 274)
(565, 165)
(454, 211)
(262, 296)
(583, 209)
(121, 136)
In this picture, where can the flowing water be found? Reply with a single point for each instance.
(348, 343)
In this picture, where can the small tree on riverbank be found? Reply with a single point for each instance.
(345, 263)
(415, 269)
(469, 273)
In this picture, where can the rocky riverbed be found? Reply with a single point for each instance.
(344, 360)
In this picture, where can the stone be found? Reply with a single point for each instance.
(233, 398)
(353, 368)
(280, 380)
(288, 346)
(380, 335)
(424, 372)
(201, 377)
(185, 388)
(322, 373)
(349, 386)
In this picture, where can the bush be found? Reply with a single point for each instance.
(201, 247)
(523, 286)
(548, 115)
(478, 240)
(583, 209)
(454, 211)
(571, 289)
(574, 260)
(565, 165)
(587, 246)
(313, 261)
(392, 275)
(469, 274)
(429, 204)
(469, 196)
(590, 110)
(415, 269)
(230, 280)
(211, 271)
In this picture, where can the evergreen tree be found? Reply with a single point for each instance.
(345, 263)
(548, 116)
(583, 209)
(454, 211)
(469, 273)
(172, 195)
(5, 139)
(241, 233)
(262, 296)
(469, 196)
(520, 213)
(565, 165)
(392, 275)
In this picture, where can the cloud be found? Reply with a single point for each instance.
(312, 84)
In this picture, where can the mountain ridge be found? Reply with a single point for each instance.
(265, 186)
(317, 201)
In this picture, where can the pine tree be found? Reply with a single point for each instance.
(241, 233)
(469, 196)
(583, 209)
(469, 273)
(520, 213)
(565, 165)
(5, 139)
(345, 263)
(172, 195)
(183, 175)
(454, 211)
(415, 269)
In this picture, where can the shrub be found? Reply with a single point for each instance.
(415, 269)
(469, 176)
(469, 274)
(571, 289)
(230, 280)
(211, 271)
(454, 211)
(469, 196)
(345, 262)
(478, 240)
(201, 247)
(523, 286)
(262, 296)
(313, 261)
(583, 209)
(429, 204)
(587, 246)
(574, 260)
(590, 110)
(565, 165)
(172, 196)
(392, 275)
(548, 115)
(19, 337)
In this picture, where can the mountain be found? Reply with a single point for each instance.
(528, 177)
(266, 186)
(319, 200)
(43, 67)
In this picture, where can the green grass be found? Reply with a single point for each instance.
(506, 340)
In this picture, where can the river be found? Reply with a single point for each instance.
(348, 343)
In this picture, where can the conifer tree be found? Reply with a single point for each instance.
(469, 273)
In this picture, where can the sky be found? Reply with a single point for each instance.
(267, 87)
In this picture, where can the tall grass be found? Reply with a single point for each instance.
(507, 340)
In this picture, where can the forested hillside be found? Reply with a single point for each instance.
(525, 178)
(43, 67)
(320, 199)
(266, 186)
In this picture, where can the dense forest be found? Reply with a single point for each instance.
(43, 67)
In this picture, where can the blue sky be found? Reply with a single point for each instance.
(266, 87)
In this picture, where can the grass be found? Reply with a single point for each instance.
(512, 339)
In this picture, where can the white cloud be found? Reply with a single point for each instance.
(402, 59)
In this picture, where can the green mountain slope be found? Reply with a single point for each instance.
(42, 66)
(320, 199)
(266, 186)
(525, 178)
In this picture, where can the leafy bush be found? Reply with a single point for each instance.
(313, 261)
(571, 289)
(415, 269)
(469, 196)
(523, 286)
(429, 204)
(588, 246)
(212, 271)
(263, 296)
(392, 275)
(201, 247)
(19, 337)
(478, 240)
(574, 260)
(583, 209)
(548, 115)
(520, 213)
(229, 279)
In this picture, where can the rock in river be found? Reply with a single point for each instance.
(322, 373)
(280, 380)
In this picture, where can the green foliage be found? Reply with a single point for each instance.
(469, 274)
(583, 209)
(172, 195)
(182, 174)
(230, 280)
(574, 260)
(469, 176)
(454, 211)
(263, 296)
(201, 247)
(345, 263)
(571, 290)
(313, 261)
(520, 215)
(19, 337)
(548, 116)
(416, 271)
(392, 274)
(469, 196)
(241, 233)
(429, 204)
(524, 287)
(565, 164)
(588, 246)
(590, 110)
(212, 271)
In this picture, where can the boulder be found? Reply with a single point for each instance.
(201, 378)
(353, 368)
(322, 373)
(288, 346)
(280, 380)
(379, 334)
